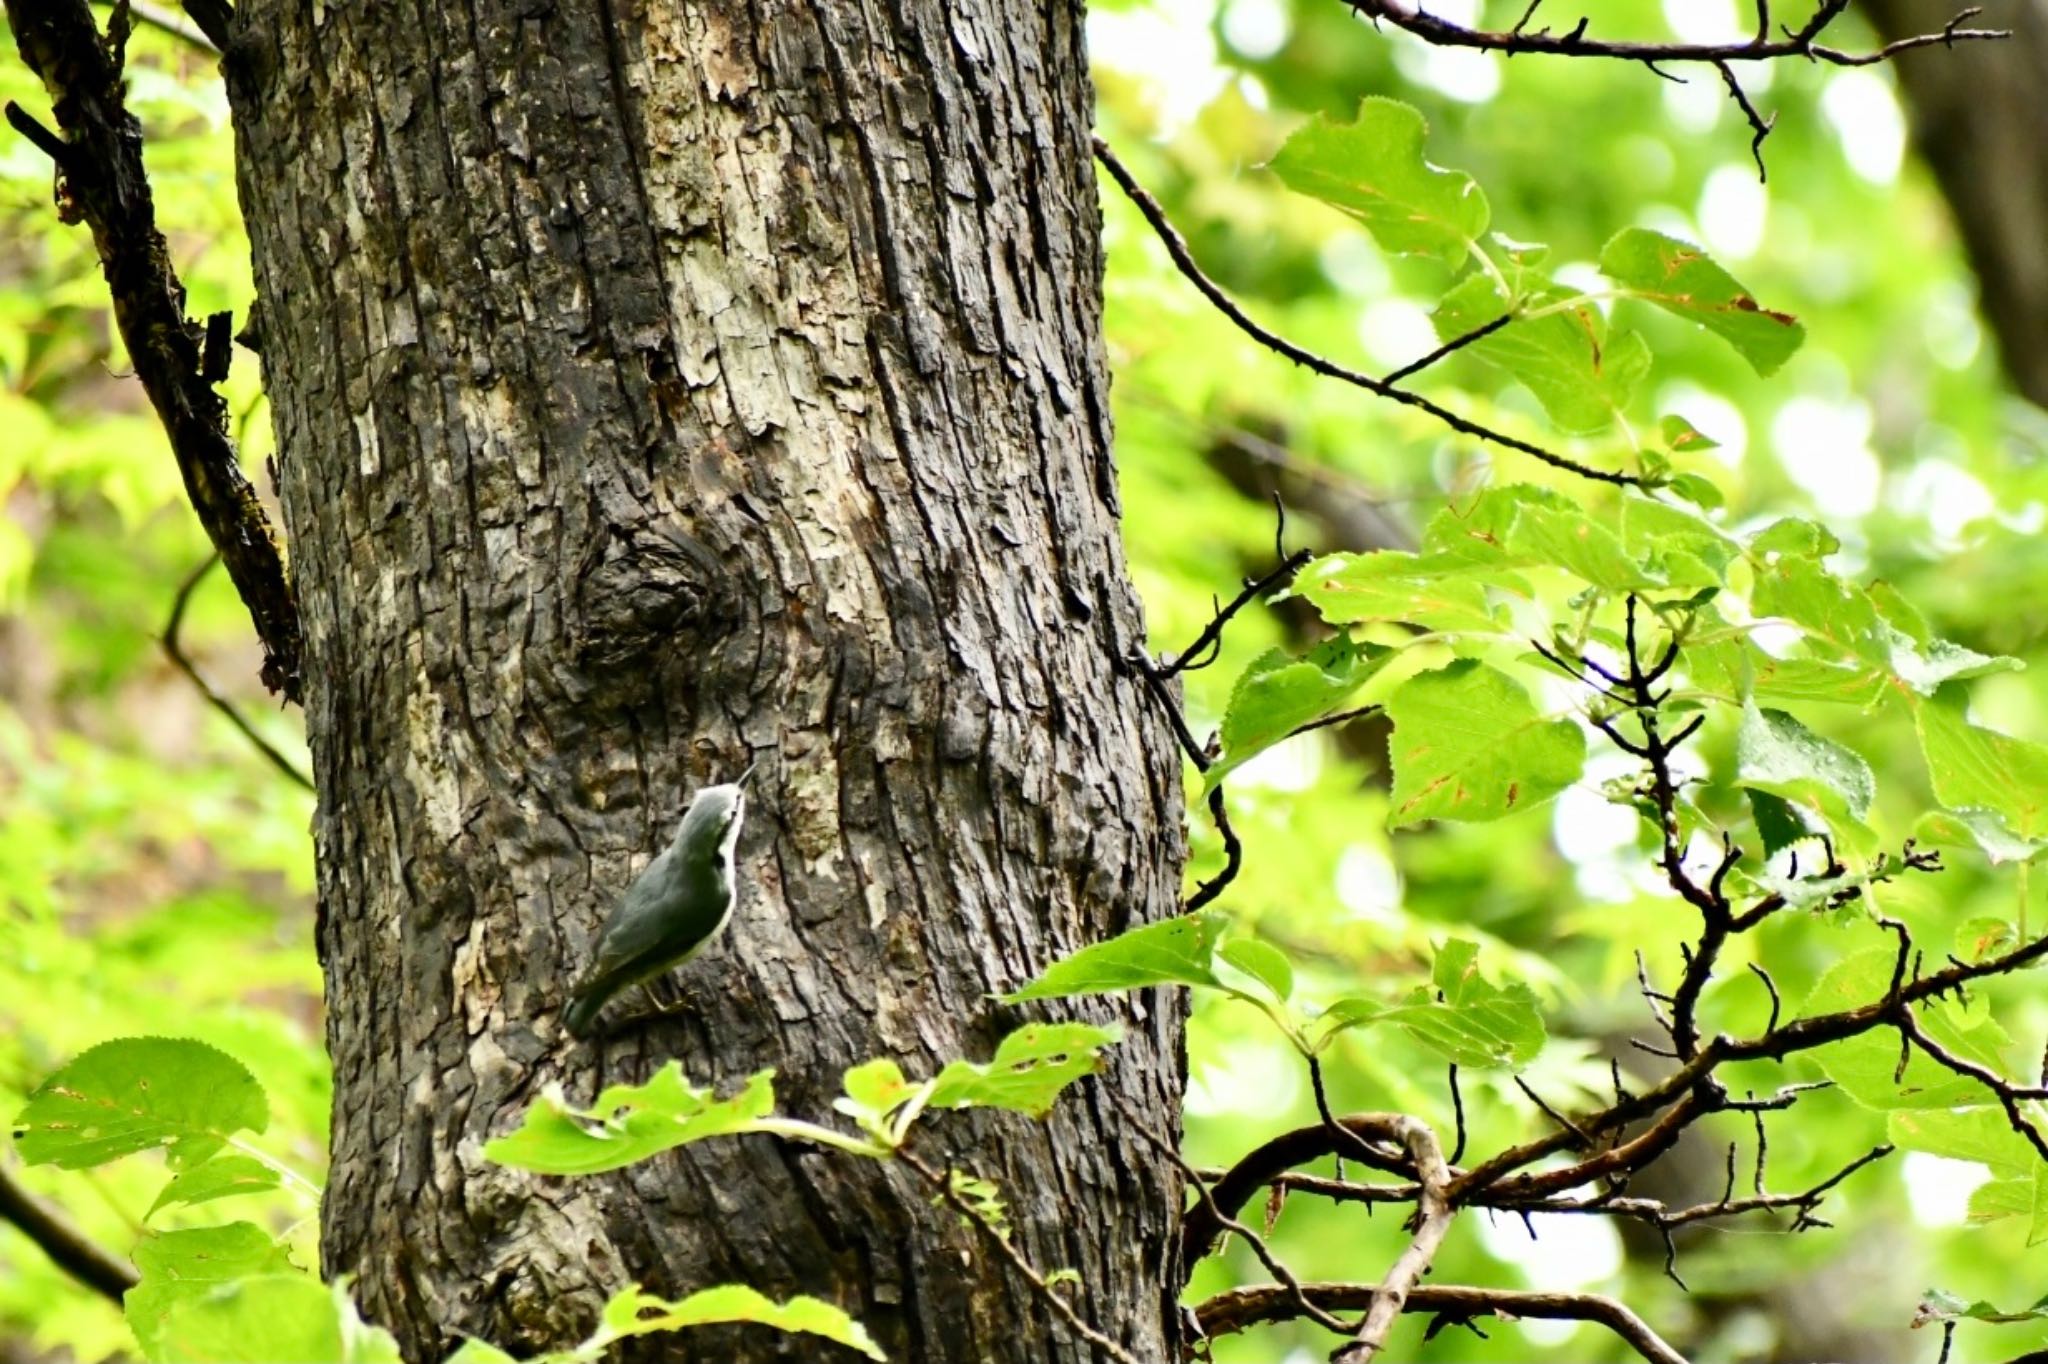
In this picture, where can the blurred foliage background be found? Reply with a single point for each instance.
(155, 872)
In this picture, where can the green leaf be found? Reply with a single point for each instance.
(1030, 1068)
(1460, 1015)
(1373, 169)
(224, 1176)
(1264, 963)
(1698, 490)
(138, 1094)
(1937, 1306)
(182, 1266)
(1983, 938)
(1867, 1066)
(874, 1089)
(1679, 278)
(1777, 822)
(1979, 770)
(1682, 437)
(1775, 753)
(1172, 952)
(1986, 1137)
(1583, 376)
(1468, 744)
(287, 1318)
(1278, 693)
(1980, 830)
(474, 1351)
(1434, 593)
(1925, 667)
(628, 1123)
(1564, 536)
(635, 1312)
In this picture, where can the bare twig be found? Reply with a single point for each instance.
(1184, 260)
(1044, 1290)
(174, 647)
(68, 1248)
(1412, 18)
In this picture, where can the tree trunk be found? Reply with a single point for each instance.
(658, 390)
(1980, 118)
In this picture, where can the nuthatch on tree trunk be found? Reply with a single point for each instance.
(678, 905)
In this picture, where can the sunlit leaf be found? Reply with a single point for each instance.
(1373, 169)
(138, 1094)
(635, 1312)
(1461, 1015)
(1680, 278)
(1030, 1068)
(183, 1266)
(628, 1123)
(1565, 355)
(1173, 952)
(1867, 1066)
(1278, 693)
(1469, 744)
(225, 1176)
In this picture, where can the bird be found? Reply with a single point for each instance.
(668, 915)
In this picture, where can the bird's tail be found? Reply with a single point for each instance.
(581, 1015)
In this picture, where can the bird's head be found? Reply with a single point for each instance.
(713, 819)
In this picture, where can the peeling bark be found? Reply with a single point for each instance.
(659, 389)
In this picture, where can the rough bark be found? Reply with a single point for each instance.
(1980, 118)
(659, 389)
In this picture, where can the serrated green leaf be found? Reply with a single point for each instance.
(1437, 594)
(1030, 1068)
(182, 1266)
(1278, 693)
(1264, 963)
(273, 1319)
(1777, 754)
(1173, 952)
(1468, 744)
(1925, 667)
(1979, 770)
(635, 1312)
(1584, 376)
(1866, 1067)
(628, 1123)
(1373, 169)
(1461, 1015)
(1679, 277)
(1778, 823)
(138, 1094)
(1982, 831)
(224, 1176)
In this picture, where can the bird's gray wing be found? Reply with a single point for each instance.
(636, 927)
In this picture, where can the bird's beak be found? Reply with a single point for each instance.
(741, 779)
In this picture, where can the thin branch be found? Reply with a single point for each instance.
(1412, 18)
(1228, 1313)
(1212, 633)
(1046, 1293)
(177, 25)
(174, 647)
(1184, 260)
(1450, 347)
(68, 1248)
